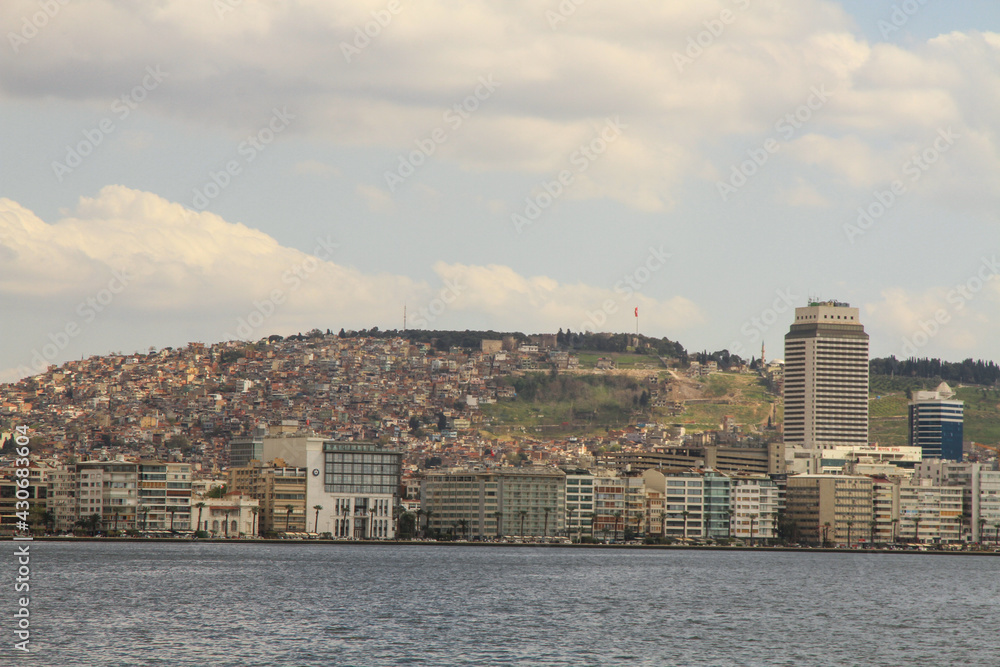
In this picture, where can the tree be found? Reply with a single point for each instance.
(171, 509)
(685, 514)
(254, 511)
(850, 524)
(522, 514)
(217, 492)
(226, 520)
(316, 522)
(200, 506)
(371, 522)
(464, 525)
(916, 529)
(499, 517)
(826, 534)
(618, 518)
(427, 522)
(545, 531)
(288, 515)
(419, 512)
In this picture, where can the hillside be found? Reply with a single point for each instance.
(588, 402)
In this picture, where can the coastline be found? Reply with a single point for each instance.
(415, 543)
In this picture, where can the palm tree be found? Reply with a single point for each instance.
(499, 518)
(226, 520)
(982, 525)
(171, 509)
(871, 532)
(416, 525)
(916, 529)
(895, 525)
(316, 522)
(685, 514)
(618, 516)
(200, 507)
(545, 531)
(850, 523)
(288, 515)
(522, 514)
(254, 511)
(427, 522)
(826, 534)
(729, 523)
(371, 522)
(115, 524)
(464, 525)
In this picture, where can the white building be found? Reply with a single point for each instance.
(231, 516)
(929, 513)
(755, 501)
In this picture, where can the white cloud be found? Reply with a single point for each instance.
(160, 264)
(554, 84)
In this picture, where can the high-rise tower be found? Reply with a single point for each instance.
(826, 377)
(936, 423)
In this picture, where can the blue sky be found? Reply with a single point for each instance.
(256, 168)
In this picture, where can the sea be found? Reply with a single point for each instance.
(298, 604)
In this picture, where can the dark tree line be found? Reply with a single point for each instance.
(968, 372)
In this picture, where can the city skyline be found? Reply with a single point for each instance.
(202, 171)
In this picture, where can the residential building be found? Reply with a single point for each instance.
(929, 513)
(280, 491)
(684, 493)
(487, 503)
(829, 509)
(579, 503)
(164, 496)
(826, 377)
(755, 502)
(108, 489)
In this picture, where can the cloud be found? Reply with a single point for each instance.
(556, 82)
(126, 268)
(315, 168)
(947, 321)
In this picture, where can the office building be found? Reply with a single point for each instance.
(936, 423)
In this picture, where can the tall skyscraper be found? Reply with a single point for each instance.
(936, 423)
(826, 377)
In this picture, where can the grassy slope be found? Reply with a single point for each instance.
(743, 398)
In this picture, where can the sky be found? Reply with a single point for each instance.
(209, 170)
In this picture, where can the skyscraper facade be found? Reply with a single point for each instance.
(936, 423)
(826, 377)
